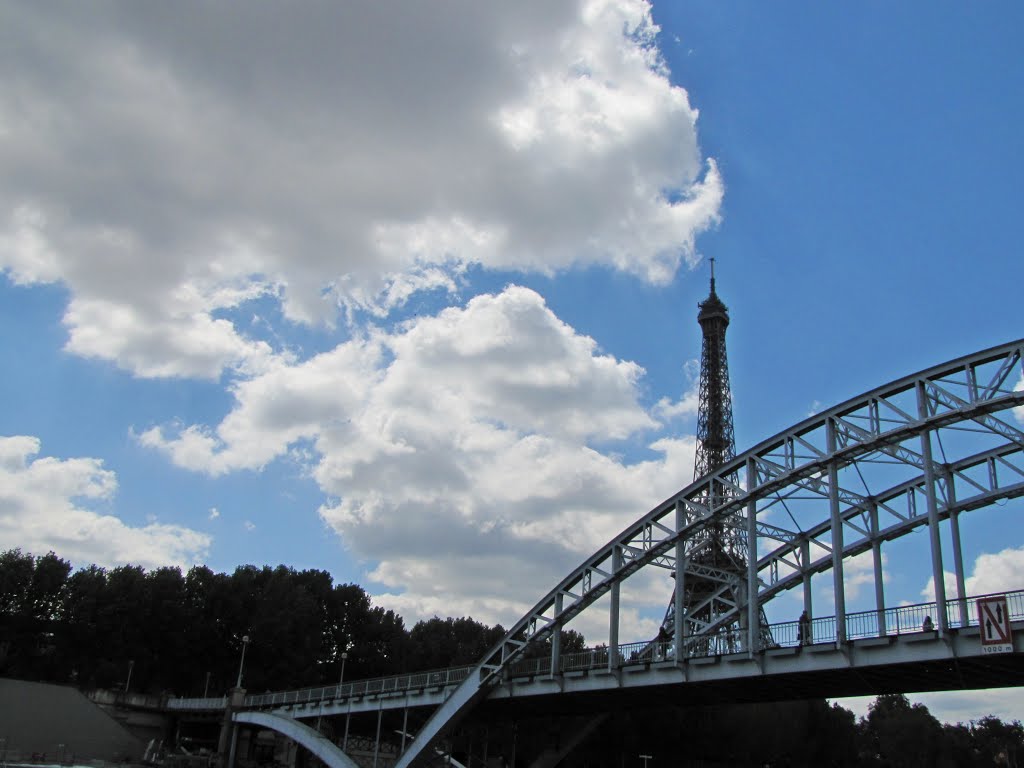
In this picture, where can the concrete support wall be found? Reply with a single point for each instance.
(59, 722)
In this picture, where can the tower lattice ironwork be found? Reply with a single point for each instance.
(714, 572)
(716, 444)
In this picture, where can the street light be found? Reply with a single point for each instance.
(645, 758)
(344, 656)
(131, 666)
(241, 664)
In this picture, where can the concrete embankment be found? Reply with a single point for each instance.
(55, 723)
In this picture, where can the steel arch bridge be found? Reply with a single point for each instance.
(915, 453)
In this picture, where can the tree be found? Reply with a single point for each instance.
(439, 643)
(15, 625)
(82, 641)
(900, 734)
(998, 743)
(276, 608)
(31, 594)
(15, 577)
(958, 747)
(207, 596)
(94, 625)
(571, 642)
(164, 633)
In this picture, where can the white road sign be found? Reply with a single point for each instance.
(994, 620)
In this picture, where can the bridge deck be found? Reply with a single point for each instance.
(883, 652)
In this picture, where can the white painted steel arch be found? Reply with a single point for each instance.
(302, 734)
(912, 453)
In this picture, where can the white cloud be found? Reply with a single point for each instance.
(249, 525)
(214, 513)
(963, 706)
(859, 571)
(992, 572)
(689, 403)
(44, 505)
(504, 365)
(174, 174)
(27, 256)
(456, 451)
(995, 572)
(169, 165)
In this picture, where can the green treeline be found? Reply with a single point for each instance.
(173, 629)
(906, 734)
(894, 734)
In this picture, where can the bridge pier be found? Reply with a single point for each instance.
(227, 740)
(376, 741)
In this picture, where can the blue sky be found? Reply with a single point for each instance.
(412, 298)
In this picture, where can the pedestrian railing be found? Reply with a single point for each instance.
(439, 678)
(887, 622)
(197, 705)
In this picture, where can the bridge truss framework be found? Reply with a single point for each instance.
(918, 452)
(913, 453)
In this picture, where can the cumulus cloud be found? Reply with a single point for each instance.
(859, 572)
(178, 169)
(170, 164)
(44, 505)
(687, 405)
(992, 572)
(462, 454)
(995, 572)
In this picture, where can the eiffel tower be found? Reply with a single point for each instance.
(714, 572)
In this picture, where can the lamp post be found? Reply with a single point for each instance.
(341, 679)
(131, 666)
(241, 664)
(645, 758)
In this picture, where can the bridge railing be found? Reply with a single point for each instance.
(199, 704)
(901, 620)
(1014, 603)
(377, 686)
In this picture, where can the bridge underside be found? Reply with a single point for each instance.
(514, 721)
(906, 677)
(915, 662)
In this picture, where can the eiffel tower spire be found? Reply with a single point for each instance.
(716, 444)
(714, 572)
